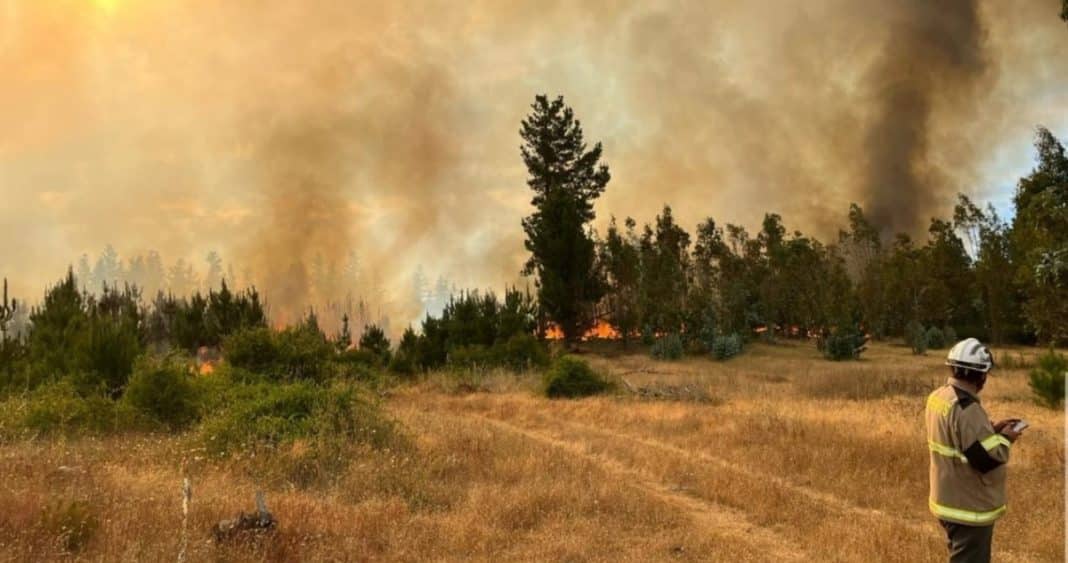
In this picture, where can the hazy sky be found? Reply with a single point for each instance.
(273, 131)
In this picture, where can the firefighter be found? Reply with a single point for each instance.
(968, 455)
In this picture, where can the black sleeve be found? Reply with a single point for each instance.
(980, 459)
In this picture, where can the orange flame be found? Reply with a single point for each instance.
(207, 358)
(601, 330)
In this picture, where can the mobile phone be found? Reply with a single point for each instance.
(1019, 426)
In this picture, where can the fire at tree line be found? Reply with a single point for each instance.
(658, 285)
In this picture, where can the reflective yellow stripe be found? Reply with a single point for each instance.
(995, 440)
(966, 515)
(938, 405)
(945, 450)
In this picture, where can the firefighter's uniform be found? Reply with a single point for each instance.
(967, 468)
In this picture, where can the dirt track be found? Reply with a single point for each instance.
(697, 483)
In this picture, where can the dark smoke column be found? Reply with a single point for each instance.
(932, 63)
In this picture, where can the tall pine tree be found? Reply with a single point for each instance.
(566, 179)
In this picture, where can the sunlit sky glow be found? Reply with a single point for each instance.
(391, 129)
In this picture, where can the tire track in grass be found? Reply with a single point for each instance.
(711, 516)
(831, 501)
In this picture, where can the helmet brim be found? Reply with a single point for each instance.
(970, 365)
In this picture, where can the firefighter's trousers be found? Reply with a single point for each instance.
(968, 544)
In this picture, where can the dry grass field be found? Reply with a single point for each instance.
(776, 455)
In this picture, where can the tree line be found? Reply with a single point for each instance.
(974, 273)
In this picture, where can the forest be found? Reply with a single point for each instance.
(85, 356)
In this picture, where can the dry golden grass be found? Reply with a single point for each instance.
(793, 458)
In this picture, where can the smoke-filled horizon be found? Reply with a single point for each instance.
(290, 135)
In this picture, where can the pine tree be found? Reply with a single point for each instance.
(344, 338)
(620, 260)
(665, 274)
(566, 179)
(108, 269)
(215, 270)
(7, 314)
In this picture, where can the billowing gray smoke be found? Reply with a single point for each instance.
(292, 135)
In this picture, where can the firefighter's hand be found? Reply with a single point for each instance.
(1009, 433)
(1001, 424)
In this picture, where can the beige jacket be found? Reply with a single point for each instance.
(967, 457)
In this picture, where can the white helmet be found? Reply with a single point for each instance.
(971, 354)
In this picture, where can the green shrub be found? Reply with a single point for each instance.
(296, 353)
(727, 347)
(521, 352)
(936, 339)
(950, 336)
(668, 347)
(303, 354)
(648, 335)
(844, 344)
(916, 338)
(107, 351)
(374, 341)
(356, 357)
(164, 391)
(403, 365)
(706, 334)
(695, 347)
(406, 360)
(253, 349)
(58, 408)
(1047, 379)
(572, 377)
(474, 356)
(267, 415)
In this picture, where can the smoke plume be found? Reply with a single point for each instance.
(933, 66)
(292, 136)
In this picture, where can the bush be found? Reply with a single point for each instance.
(518, 353)
(936, 339)
(58, 408)
(474, 356)
(668, 347)
(522, 351)
(727, 347)
(268, 415)
(355, 357)
(572, 377)
(1047, 379)
(296, 353)
(406, 360)
(845, 344)
(374, 341)
(303, 354)
(648, 335)
(252, 349)
(916, 338)
(706, 335)
(164, 391)
(403, 364)
(107, 350)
